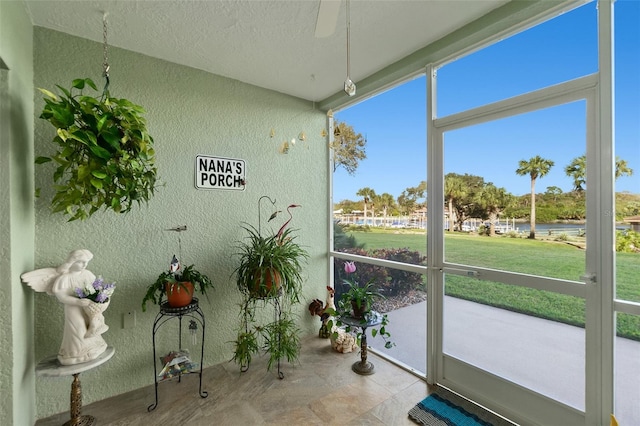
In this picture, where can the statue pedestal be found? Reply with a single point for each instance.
(51, 367)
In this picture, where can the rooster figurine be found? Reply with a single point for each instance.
(316, 307)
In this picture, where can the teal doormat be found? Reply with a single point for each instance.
(444, 408)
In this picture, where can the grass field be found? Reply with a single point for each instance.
(544, 258)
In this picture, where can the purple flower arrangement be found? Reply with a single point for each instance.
(98, 291)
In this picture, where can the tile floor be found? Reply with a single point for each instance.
(320, 390)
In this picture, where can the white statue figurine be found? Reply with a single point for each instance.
(80, 343)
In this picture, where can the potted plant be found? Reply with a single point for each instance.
(105, 156)
(281, 340)
(357, 302)
(268, 263)
(269, 269)
(246, 344)
(177, 287)
(359, 297)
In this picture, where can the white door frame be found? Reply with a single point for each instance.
(598, 283)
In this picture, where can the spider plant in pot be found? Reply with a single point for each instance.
(357, 302)
(177, 286)
(269, 271)
(270, 263)
(104, 155)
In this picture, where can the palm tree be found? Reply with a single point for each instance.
(622, 168)
(367, 195)
(386, 201)
(454, 189)
(536, 167)
(577, 170)
(494, 201)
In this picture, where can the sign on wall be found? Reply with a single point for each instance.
(220, 173)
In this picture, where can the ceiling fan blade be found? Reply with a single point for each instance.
(327, 17)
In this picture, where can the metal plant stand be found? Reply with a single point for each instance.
(363, 366)
(167, 313)
(277, 316)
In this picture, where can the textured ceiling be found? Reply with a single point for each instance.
(271, 44)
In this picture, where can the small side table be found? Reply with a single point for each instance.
(363, 366)
(51, 367)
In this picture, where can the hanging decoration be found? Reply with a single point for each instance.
(286, 145)
(193, 331)
(349, 86)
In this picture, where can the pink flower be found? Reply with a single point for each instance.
(349, 267)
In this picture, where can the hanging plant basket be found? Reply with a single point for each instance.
(104, 153)
(266, 282)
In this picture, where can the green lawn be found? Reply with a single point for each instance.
(544, 258)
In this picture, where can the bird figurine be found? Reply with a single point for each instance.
(175, 265)
(316, 307)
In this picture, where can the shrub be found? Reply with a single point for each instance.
(387, 281)
(358, 228)
(628, 241)
(400, 281)
(363, 274)
(343, 241)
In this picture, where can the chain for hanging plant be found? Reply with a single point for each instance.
(105, 54)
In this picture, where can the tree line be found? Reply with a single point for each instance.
(469, 196)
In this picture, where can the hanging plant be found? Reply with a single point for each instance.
(105, 155)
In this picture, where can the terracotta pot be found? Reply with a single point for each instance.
(272, 280)
(359, 312)
(179, 294)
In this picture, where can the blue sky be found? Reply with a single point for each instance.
(559, 50)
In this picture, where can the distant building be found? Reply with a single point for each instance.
(634, 221)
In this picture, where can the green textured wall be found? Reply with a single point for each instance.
(190, 112)
(17, 405)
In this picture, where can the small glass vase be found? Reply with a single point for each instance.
(358, 312)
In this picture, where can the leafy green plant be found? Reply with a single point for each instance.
(269, 269)
(105, 154)
(245, 346)
(157, 291)
(628, 241)
(360, 297)
(281, 340)
(365, 273)
(265, 260)
(387, 281)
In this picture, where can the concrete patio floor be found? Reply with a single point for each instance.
(545, 356)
